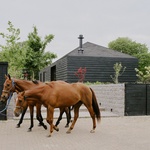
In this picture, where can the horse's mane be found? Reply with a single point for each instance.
(35, 81)
(49, 84)
(46, 82)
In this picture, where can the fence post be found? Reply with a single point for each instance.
(3, 71)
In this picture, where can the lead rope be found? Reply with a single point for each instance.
(8, 101)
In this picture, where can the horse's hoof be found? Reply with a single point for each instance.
(17, 126)
(69, 131)
(39, 125)
(92, 131)
(56, 128)
(29, 130)
(49, 135)
(66, 126)
(45, 127)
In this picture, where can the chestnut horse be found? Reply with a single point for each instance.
(13, 85)
(58, 94)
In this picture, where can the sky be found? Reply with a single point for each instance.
(99, 21)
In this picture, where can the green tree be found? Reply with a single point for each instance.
(36, 57)
(138, 50)
(144, 61)
(127, 46)
(13, 51)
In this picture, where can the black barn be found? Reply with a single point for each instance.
(98, 60)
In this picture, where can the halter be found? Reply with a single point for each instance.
(13, 86)
(8, 101)
(19, 107)
(5, 91)
(10, 96)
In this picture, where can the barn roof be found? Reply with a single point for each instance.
(94, 50)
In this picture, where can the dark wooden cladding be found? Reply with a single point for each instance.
(94, 58)
(3, 71)
(137, 99)
(45, 74)
(100, 69)
(148, 99)
(61, 69)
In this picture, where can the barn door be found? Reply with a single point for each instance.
(53, 73)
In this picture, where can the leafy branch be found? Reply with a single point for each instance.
(144, 76)
(117, 67)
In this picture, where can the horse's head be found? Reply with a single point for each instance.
(8, 87)
(21, 103)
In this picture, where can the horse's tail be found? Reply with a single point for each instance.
(95, 106)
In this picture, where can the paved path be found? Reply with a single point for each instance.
(113, 133)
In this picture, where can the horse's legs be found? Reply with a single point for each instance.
(39, 116)
(68, 115)
(50, 113)
(76, 114)
(38, 113)
(92, 114)
(62, 110)
(21, 119)
(31, 108)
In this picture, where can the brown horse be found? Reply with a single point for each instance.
(12, 85)
(59, 95)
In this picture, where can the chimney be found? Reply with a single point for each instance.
(80, 43)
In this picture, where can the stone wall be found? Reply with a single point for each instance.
(11, 106)
(111, 97)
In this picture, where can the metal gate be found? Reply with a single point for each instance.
(148, 99)
(137, 99)
(3, 71)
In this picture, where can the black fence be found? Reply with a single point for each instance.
(137, 99)
(3, 71)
